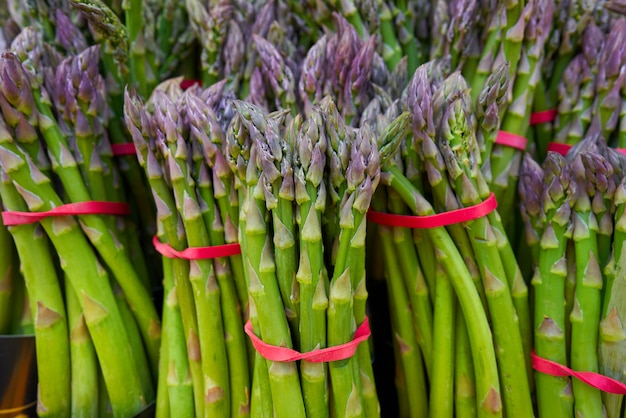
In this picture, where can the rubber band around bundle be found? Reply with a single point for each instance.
(564, 148)
(123, 149)
(545, 116)
(196, 253)
(433, 221)
(81, 208)
(596, 380)
(185, 84)
(511, 140)
(323, 355)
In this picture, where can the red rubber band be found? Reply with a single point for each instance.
(185, 84)
(70, 209)
(598, 381)
(123, 149)
(511, 140)
(559, 148)
(440, 219)
(324, 355)
(544, 116)
(196, 253)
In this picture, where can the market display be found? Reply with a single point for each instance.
(199, 197)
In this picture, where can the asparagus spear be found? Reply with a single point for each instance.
(549, 321)
(259, 261)
(174, 151)
(310, 193)
(458, 146)
(7, 279)
(142, 132)
(611, 334)
(84, 362)
(585, 315)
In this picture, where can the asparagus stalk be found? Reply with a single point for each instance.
(310, 193)
(585, 315)
(458, 146)
(464, 388)
(84, 362)
(442, 382)
(7, 274)
(549, 320)
(141, 129)
(207, 293)
(405, 340)
(259, 261)
(176, 370)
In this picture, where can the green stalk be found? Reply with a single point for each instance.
(554, 396)
(136, 45)
(442, 379)
(203, 281)
(416, 287)
(346, 397)
(457, 145)
(612, 342)
(408, 353)
(263, 288)
(176, 373)
(392, 52)
(309, 163)
(47, 307)
(239, 376)
(167, 215)
(261, 405)
(585, 315)
(464, 388)
(84, 363)
(487, 383)
(7, 268)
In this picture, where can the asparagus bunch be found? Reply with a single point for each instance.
(440, 170)
(176, 135)
(88, 253)
(569, 223)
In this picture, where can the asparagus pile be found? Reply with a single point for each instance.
(281, 154)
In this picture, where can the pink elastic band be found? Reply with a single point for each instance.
(558, 147)
(196, 253)
(70, 209)
(511, 140)
(598, 381)
(123, 149)
(185, 84)
(324, 355)
(545, 116)
(440, 219)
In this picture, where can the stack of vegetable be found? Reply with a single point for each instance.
(310, 112)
